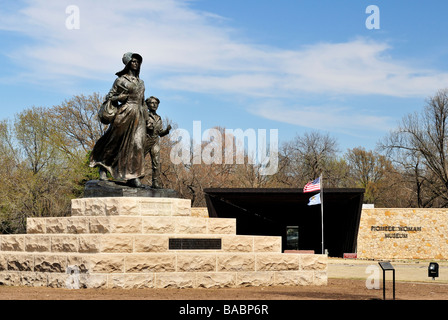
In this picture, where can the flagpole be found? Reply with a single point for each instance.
(322, 209)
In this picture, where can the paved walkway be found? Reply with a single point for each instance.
(415, 271)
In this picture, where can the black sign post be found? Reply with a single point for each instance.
(387, 266)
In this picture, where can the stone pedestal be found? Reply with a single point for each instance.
(98, 189)
(148, 242)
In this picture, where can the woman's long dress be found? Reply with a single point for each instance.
(121, 149)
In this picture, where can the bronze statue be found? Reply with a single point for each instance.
(154, 131)
(121, 150)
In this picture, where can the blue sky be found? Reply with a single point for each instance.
(291, 65)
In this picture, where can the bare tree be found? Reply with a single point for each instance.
(371, 171)
(307, 157)
(420, 143)
(77, 121)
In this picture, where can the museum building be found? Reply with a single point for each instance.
(348, 227)
(286, 213)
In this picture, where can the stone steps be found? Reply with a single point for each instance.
(130, 243)
(131, 206)
(160, 262)
(163, 270)
(134, 242)
(130, 224)
(153, 280)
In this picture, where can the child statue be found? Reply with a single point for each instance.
(154, 130)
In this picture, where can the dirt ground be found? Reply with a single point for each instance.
(337, 289)
(347, 281)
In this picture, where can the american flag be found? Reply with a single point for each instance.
(312, 186)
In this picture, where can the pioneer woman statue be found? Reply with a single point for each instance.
(121, 150)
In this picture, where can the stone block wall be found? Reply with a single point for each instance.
(135, 242)
(403, 234)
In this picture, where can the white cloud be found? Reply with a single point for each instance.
(324, 117)
(358, 67)
(185, 49)
(169, 36)
(188, 47)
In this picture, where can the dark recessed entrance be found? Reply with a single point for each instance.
(285, 213)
